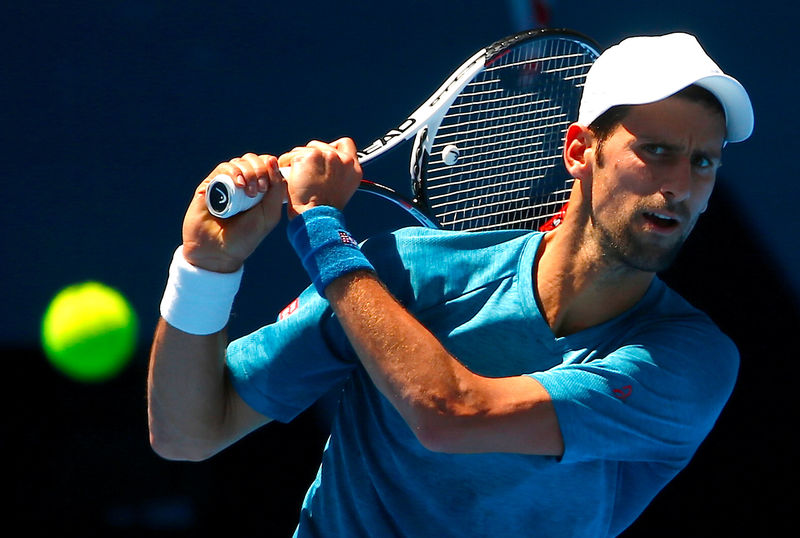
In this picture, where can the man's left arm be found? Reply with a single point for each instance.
(449, 408)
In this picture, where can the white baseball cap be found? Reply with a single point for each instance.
(646, 69)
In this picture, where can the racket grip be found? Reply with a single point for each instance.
(225, 199)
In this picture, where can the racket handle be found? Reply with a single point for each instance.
(225, 199)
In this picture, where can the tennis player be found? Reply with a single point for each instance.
(492, 384)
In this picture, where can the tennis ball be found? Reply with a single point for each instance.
(89, 331)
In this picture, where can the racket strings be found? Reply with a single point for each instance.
(491, 179)
(484, 149)
(507, 129)
(548, 206)
(479, 132)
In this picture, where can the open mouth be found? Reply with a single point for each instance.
(660, 221)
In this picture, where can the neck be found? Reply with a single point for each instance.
(578, 285)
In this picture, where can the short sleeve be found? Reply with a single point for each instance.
(283, 368)
(653, 399)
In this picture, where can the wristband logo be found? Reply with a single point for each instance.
(347, 239)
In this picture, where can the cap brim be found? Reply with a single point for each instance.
(734, 99)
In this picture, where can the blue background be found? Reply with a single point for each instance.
(112, 112)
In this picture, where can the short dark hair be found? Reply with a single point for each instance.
(605, 123)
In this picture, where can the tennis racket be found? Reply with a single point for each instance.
(487, 152)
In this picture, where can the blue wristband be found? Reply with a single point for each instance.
(325, 247)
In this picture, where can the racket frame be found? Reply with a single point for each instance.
(422, 122)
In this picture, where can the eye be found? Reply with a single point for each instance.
(705, 162)
(655, 149)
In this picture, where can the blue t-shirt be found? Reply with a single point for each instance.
(635, 396)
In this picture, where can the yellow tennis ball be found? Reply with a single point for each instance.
(89, 331)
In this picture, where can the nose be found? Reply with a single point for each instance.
(677, 182)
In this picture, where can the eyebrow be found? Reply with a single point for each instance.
(677, 148)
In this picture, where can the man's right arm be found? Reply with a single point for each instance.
(193, 410)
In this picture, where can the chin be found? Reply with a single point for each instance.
(641, 253)
(650, 258)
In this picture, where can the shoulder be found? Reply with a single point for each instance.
(658, 377)
(666, 344)
(685, 342)
(664, 311)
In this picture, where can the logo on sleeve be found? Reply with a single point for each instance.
(624, 392)
(290, 309)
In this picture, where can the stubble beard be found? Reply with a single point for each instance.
(620, 246)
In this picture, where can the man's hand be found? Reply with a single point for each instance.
(222, 245)
(322, 174)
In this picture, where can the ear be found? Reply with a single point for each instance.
(579, 151)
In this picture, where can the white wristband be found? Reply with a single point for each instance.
(198, 301)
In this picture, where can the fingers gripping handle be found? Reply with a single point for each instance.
(225, 199)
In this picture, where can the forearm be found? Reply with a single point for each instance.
(187, 393)
(193, 410)
(405, 361)
(449, 408)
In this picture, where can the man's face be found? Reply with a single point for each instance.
(657, 173)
